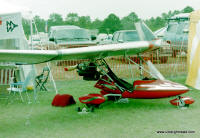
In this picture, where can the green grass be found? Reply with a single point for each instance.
(137, 119)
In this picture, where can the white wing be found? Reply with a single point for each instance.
(92, 52)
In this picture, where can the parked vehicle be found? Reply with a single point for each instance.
(39, 41)
(103, 39)
(125, 36)
(132, 35)
(70, 36)
(177, 33)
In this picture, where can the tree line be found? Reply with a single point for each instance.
(108, 25)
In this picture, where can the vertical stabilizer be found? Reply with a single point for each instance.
(144, 31)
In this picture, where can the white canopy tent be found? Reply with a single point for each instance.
(12, 34)
(12, 37)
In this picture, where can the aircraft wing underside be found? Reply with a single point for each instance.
(92, 52)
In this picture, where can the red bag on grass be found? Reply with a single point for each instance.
(63, 100)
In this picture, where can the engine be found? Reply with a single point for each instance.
(88, 70)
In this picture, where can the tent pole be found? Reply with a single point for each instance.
(52, 79)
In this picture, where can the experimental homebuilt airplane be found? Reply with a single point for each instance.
(97, 69)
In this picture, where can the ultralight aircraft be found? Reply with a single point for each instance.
(96, 68)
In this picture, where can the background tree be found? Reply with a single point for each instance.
(170, 14)
(26, 27)
(128, 21)
(155, 23)
(84, 22)
(111, 24)
(55, 19)
(187, 9)
(40, 23)
(96, 24)
(72, 19)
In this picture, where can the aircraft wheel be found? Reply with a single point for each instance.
(182, 101)
(88, 105)
(93, 105)
(113, 98)
(78, 109)
(91, 109)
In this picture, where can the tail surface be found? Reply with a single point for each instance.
(144, 31)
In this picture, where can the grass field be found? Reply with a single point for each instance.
(137, 119)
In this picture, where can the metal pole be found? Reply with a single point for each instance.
(52, 79)
(31, 29)
(34, 86)
(34, 73)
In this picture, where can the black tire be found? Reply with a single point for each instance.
(91, 109)
(113, 98)
(78, 109)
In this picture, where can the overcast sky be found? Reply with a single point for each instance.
(102, 8)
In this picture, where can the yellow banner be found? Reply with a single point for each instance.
(193, 57)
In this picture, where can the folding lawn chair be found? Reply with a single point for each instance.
(19, 87)
(41, 79)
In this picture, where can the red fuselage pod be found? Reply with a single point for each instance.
(92, 99)
(152, 89)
